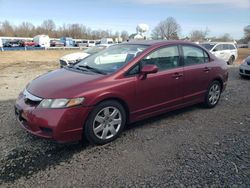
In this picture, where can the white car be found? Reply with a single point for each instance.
(74, 58)
(245, 67)
(226, 51)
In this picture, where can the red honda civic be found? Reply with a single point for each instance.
(128, 82)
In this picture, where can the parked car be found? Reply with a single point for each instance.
(28, 43)
(224, 50)
(245, 67)
(13, 43)
(74, 58)
(56, 43)
(96, 98)
(42, 41)
(91, 43)
(85, 43)
(67, 41)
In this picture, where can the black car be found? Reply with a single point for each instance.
(14, 43)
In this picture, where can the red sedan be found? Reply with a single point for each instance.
(125, 83)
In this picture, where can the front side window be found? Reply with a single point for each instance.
(231, 47)
(113, 58)
(193, 55)
(218, 48)
(163, 58)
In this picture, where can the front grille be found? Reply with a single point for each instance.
(247, 71)
(63, 63)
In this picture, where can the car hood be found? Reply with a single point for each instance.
(75, 56)
(62, 83)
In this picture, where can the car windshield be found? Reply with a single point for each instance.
(94, 49)
(112, 58)
(208, 46)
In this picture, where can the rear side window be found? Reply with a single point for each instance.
(193, 55)
(164, 58)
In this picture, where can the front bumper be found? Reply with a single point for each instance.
(244, 70)
(61, 125)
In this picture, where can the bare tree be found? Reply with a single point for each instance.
(124, 35)
(167, 29)
(7, 29)
(225, 38)
(198, 35)
(247, 33)
(48, 27)
(25, 29)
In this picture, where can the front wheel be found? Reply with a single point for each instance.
(231, 60)
(105, 123)
(213, 94)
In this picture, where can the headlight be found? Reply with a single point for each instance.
(60, 103)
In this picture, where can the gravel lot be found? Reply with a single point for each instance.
(192, 147)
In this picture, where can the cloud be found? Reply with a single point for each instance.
(227, 3)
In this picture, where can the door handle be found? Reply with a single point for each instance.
(206, 69)
(177, 75)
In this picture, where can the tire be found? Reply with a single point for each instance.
(101, 126)
(231, 60)
(213, 94)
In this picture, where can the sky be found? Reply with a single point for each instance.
(219, 16)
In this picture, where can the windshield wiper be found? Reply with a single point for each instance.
(92, 68)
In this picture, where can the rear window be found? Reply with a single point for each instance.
(207, 46)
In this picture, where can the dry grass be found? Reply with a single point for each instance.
(243, 53)
(10, 58)
(50, 57)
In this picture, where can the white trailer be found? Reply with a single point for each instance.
(42, 40)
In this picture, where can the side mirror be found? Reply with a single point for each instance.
(148, 69)
(214, 50)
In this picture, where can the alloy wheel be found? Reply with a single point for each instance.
(107, 123)
(214, 94)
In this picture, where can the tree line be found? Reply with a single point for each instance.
(168, 29)
(48, 27)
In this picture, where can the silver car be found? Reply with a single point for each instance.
(245, 67)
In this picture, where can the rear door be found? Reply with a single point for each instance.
(197, 73)
(163, 89)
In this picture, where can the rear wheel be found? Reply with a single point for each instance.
(231, 60)
(213, 94)
(105, 123)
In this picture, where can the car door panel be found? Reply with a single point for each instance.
(161, 90)
(197, 71)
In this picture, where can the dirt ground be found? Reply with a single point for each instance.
(193, 147)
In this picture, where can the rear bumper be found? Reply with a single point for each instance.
(60, 125)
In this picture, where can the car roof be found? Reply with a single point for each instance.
(157, 42)
(213, 43)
